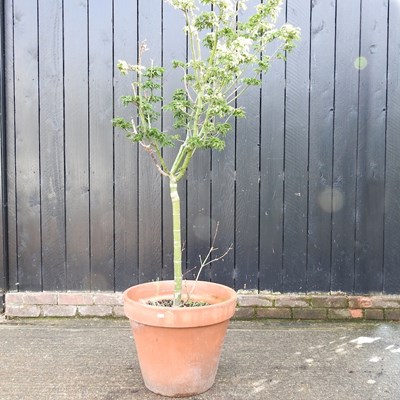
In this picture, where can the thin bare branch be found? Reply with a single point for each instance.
(208, 260)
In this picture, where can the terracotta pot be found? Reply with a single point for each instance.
(179, 348)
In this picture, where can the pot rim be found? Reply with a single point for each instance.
(222, 298)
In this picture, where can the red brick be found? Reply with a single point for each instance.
(22, 311)
(58, 311)
(309, 313)
(392, 315)
(108, 299)
(244, 313)
(338, 313)
(356, 313)
(274, 313)
(31, 298)
(374, 314)
(292, 301)
(254, 301)
(118, 311)
(385, 302)
(360, 302)
(95, 311)
(14, 298)
(40, 298)
(75, 298)
(329, 302)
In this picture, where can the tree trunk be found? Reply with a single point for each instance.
(176, 227)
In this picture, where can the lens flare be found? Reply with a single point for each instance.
(330, 200)
(360, 63)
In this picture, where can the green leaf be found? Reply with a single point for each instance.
(239, 113)
(135, 138)
(252, 81)
(178, 63)
(126, 100)
(151, 85)
(154, 99)
(208, 41)
(121, 123)
(154, 72)
(123, 67)
(215, 143)
(208, 142)
(223, 129)
(206, 20)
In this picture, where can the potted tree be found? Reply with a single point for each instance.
(179, 326)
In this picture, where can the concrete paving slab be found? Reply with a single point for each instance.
(95, 359)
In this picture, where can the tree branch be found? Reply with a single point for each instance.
(208, 260)
(150, 151)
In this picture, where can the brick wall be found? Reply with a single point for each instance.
(319, 307)
(250, 306)
(71, 304)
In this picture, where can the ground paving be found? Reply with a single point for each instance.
(93, 359)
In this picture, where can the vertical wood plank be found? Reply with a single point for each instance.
(345, 145)
(392, 192)
(247, 186)
(27, 145)
(150, 232)
(321, 141)
(296, 152)
(101, 145)
(10, 144)
(198, 221)
(371, 148)
(223, 211)
(76, 100)
(198, 213)
(126, 191)
(3, 171)
(272, 176)
(3, 237)
(51, 119)
(174, 48)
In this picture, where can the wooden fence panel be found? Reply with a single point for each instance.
(320, 145)
(272, 164)
(345, 145)
(10, 184)
(150, 217)
(307, 190)
(76, 124)
(296, 153)
(198, 221)
(223, 211)
(174, 48)
(371, 147)
(101, 73)
(125, 154)
(51, 120)
(3, 171)
(247, 186)
(27, 131)
(391, 281)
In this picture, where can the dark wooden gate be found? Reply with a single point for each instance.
(308, 189)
